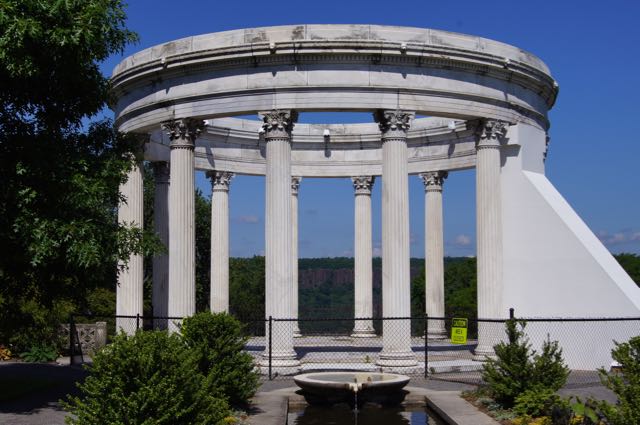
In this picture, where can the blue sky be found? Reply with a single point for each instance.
(590, 46)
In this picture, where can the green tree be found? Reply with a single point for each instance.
(60, 171)
(203, 251)
(625, 383)
(631, 264)
(246, 288)
(517, 368)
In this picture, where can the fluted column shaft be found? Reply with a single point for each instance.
(396, 301)
(489, 232)
(363, 264)
(160, 289)
(295, 186)
(219, 298)
(129, 294)
(278, 235)
(182, 242)
(434, 252)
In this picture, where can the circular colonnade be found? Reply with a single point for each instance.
(472, 93)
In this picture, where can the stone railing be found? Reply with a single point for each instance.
(90, 336)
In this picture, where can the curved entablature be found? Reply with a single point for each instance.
(327, 150)
(332, 68)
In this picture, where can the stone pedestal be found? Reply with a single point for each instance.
(219, 299)
(278, 236)
(489, 232)
(363, 267)
(396, 284)
(295, 186)
(434, 253)
(160, 290)
(130, 280)
(182, 244)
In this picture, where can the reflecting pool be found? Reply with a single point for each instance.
(371, 414)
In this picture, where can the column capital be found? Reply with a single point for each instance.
(433, 180)
(161, 172)
(183, 132)
(393, 124)
(363, 184)
(295, 184)
(220, 180)
(278, 123)
(491, 132)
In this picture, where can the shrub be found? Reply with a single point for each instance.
(549, 369)
(40, 353)
(218, 342)
(35, 324)
(150, 378)
(625, 384)
(538, 401)
(517, 368)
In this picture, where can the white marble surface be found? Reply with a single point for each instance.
(329, 67)
(129, 295)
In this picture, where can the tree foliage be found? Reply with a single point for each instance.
(631, 264)
(625, 383)
(60, 172)
(517, 368)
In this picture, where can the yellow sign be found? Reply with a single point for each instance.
(459, 331)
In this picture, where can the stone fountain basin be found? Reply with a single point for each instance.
(352, 387)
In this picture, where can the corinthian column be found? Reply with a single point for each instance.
(489, 232)
(396, 301)
(295, 185)
(363, 267)
(220, 181)
(130, 277)
(434, 255)
(182, 236)
(160, 290)
(279, 284)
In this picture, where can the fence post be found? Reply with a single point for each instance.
(137, 321)
(511, 313)
(270, 344)
(426, 345)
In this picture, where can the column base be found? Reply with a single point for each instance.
(161, 324)
(437, 335)
(280, 360)
(296, 329)
(481, 353)
(363, 333)
(174, 325)
(397, 359)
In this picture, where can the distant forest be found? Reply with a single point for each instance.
(326, 286)
(326, 289)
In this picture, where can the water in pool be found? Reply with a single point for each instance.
(371, 414)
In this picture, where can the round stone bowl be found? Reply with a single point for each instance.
(353, 388)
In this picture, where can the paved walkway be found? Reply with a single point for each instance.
(42, 407)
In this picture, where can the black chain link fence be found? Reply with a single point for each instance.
(415, 346)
